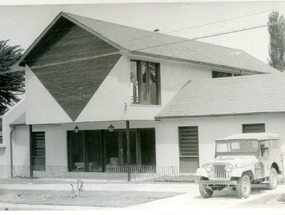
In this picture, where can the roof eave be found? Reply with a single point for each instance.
(198, 62)
(158, 118)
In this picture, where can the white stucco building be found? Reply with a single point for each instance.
(152, 88)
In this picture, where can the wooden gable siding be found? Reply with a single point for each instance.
(68, 42)
(71, 63)
(73, 85)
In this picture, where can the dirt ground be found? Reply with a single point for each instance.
(116, 199)
(270, 201)
(87, 198)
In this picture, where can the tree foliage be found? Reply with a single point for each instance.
(11, 83)
(276, 29)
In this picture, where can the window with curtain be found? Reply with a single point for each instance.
(145, 81)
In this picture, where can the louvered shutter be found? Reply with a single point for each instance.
(39, 151)
(189, 149)
(189, 143)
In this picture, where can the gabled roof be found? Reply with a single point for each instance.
(144, 42)
(228, 96)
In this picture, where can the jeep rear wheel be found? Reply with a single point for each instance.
(243, 186)
(205, 191)
(273, 179)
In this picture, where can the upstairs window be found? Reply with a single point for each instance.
(216, 74)
(253, 128)
(145, 82)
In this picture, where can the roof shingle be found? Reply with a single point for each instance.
(227, 96)
(151, 43)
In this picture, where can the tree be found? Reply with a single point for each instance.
(11, 83)
(276, 29)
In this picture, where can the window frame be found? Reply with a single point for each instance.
(188, 163)
(220, 74)
(139, 76)
(260, 128)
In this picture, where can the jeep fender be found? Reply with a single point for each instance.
(239, 172)
(201, 172)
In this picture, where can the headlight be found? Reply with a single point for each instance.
(208, 167)
(229, 167)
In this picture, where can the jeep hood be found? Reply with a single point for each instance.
(235, 159)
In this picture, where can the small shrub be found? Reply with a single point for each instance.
(79, 188)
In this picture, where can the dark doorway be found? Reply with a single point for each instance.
(94, 150)
(85, 151)
(147, 137)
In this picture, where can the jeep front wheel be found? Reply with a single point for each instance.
(205, 191)
(273, 179)
(243, 186)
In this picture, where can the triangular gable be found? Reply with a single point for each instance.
(71, 63)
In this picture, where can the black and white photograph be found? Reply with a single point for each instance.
(164, 107)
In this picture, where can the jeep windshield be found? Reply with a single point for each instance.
(237, 147)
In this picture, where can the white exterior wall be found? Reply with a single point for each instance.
(111, 104)
(210, 129)
(112, 101)
(19, 138)
(21, 146)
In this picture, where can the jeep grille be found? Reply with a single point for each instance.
(219, 171)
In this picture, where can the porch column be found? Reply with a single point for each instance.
(128, 149)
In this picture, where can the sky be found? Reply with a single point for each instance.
(23, 21)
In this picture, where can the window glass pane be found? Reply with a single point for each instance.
(153, 83)
(220, 74)
(144, 79)
(253, 128)
(134, 83)
(144, 82)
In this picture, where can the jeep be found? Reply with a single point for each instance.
(242, 160)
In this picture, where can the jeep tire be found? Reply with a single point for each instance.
(273, 179)
(243, 186)
(204, 191)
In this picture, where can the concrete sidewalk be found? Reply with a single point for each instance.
(191, 199)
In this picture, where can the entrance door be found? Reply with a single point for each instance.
(84, 151)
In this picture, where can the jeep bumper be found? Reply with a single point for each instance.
(216, 182)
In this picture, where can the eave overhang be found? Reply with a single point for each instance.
(236, 69)
(159, 118)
